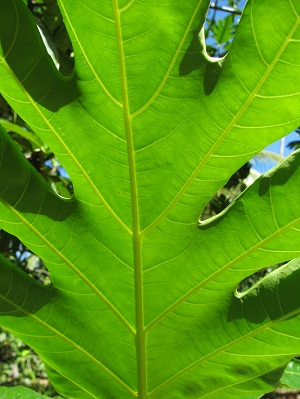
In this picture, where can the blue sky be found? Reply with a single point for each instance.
(275, 147)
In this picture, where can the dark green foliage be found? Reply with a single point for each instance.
(19, 365)
(49, 19)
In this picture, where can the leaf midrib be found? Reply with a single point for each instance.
(140, 337)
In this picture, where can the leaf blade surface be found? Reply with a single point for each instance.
(128, 263)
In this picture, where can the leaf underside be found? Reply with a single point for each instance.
(143, 302)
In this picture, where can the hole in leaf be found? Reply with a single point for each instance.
(235, 185)
(54, 34)
(21, 256)
(38, 154)
(52, 171)
(254, 278)
(248, 173)
(221, 22)
(276, 152)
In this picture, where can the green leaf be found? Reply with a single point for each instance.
(291, 376)
(30, 136)
(19, 393)
(222, 30)
(143, 302)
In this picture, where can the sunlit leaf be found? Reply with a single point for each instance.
(143, 300)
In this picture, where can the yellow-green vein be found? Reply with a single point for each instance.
(223, 348)
(128, 5)
(87, 58)
(221, 271)
(253, 378)
(219, 141)
(187, 31)
(70, 265)
(63, 144)
(72, 343)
